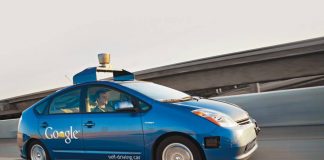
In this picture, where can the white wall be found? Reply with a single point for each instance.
(303, 106)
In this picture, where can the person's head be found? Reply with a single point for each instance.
(102, 97)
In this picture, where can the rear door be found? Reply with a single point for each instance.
(60, 127)
(108, 133)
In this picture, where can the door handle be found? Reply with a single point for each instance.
(44, 125)
(89, 124)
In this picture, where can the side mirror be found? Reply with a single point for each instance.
(124, 106)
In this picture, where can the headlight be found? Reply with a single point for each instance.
(215, 117)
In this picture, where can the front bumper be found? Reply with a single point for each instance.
(237, 143)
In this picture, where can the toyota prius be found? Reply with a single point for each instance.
(127, 119)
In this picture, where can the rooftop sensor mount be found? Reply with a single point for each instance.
(90, 74)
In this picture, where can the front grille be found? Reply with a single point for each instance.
(243, 121)
(246, 148)
(249, 146)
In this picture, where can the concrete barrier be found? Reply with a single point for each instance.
(8, 128)
(292, 107)
(278, 108)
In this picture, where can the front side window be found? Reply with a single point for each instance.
(105, 99)
(68, 102)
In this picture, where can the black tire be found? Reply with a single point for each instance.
(196, 153)
(36, 143)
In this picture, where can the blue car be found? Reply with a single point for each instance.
(127, 119)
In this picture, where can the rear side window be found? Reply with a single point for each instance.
(40, 108)
(66, 103)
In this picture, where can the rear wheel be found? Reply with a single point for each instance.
(178, 148)
(37, 151)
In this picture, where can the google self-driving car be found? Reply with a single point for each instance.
(127, 119)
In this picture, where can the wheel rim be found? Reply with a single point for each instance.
(37, 152)
(176, 151)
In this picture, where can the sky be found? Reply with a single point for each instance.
(44, 43)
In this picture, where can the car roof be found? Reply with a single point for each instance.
(105, 81)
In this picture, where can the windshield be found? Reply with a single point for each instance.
(158, 92)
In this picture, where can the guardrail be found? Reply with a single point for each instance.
(295, 107)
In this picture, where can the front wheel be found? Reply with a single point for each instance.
(37, 151)
(178, 148)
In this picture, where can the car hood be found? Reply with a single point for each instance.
(235, 112)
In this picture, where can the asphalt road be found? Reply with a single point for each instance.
(8, 149)
(282, 143)
(291, 143)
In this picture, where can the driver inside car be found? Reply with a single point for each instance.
(102, 97)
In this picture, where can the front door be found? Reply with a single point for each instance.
(107, 132)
